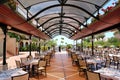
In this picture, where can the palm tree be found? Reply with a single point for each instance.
(117, 34)
(100, 36)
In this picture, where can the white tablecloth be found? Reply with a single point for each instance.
(94, 61)
(109, 73)
(6, 75)
(31, 62)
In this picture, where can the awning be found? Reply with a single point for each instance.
(61, 17)
(109, 21)
(7, 16)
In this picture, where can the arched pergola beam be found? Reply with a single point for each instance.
(66, 0)
(63, 27)
(57, 31)
(63, 17)
(61, 31)
(56, 5)
(59, 23)
(59, 13)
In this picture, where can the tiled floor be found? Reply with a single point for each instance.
(61, 68)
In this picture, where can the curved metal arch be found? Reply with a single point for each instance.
(57, 33)
(61, 34)
(63, 17)
(63, 27)
(39, 3)
(70, 5)
(62, 23)
(59, 30)
(65, 13)
(87, 2)
(71, 0)
(66, 32)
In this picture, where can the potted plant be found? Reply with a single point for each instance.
(9, 3)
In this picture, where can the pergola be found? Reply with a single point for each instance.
(59, 17)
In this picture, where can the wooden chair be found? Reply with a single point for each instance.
(92, 75)
(82, 66)
(41, 66)
(74, 58)
(18, 64)
(1, 67)
(37, 56)
(21, 77)
(29, 57)
(115, 61)
(23, 61)
(107, 63)
(118, 66)
(47, 59)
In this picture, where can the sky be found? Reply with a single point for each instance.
(108, 34)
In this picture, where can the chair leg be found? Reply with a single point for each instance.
(45, 73)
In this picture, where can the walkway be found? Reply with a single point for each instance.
(61, 68)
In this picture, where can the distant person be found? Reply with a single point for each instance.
(59, 49)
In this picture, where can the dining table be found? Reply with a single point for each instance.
(95, 61)
(8, 74)
(31, 63)
(109, 73)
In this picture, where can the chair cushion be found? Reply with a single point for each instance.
(40, 68)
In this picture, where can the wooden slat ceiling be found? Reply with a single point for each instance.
(112, 18)
(7, 16)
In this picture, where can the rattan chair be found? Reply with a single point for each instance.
(107, 63)
(41, 67)
(82, 66)
(37, 56)
(74, 58)
(21, 77)
(23, 61)
(92, 75)
(47, 59)
(18, 64)
(1, 67)
(29, 57)
(115, 61)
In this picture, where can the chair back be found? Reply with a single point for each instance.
(118, 66)
(82, 63)
(93, 75)
(42, 63)
(47, 57)
(18, 64)
(37, 56)
(23, 59)
(1, 67)
(107, 63)
(74, 57)
(30, 57)
(21, 77)
(115, 59)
